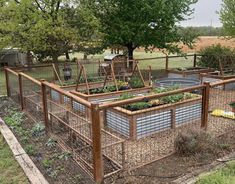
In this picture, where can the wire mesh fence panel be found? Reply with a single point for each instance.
(221, 118)
(181, 62)
(32, 99)
(71, 128)
(40, 72)
(149, 127)
(14, 86)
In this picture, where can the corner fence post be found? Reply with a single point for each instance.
(21, 91)
(194, 60)
(167, 63)
(205, 105)
(7, 82)
(45, 108)
(96, 139)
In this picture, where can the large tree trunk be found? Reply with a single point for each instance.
(85, 57)
(55, 61)
(29, 60)
(67, 56)
(130, 55)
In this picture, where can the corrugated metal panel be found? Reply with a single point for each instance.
(188, 114)
(55, 95)
(79, 107)
(230, 86)
(118, 123)
(148, 125)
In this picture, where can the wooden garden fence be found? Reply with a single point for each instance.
(88, 130)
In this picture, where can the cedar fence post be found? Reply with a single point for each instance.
(45, 108)
(205, 105)
(7, 82)
(194, 60)
(21, 91)
(96, 140)
(167, 63)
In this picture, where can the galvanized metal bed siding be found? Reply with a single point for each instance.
(55, 96)
(153, 123)
(118, 123)
(184, 115)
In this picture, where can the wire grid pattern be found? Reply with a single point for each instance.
(220, 99)
(32, 99)
(14, 87)
(40, 72)
(152, 132)
(72, 128)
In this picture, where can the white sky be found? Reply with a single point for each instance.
(205, 12)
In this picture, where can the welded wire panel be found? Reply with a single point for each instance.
(220, 100)
(14, 87)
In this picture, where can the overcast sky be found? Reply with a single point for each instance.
(205, 12)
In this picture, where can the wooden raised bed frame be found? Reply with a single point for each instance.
(195, 73)
(216, 77)
(115, 94)
(128, 123)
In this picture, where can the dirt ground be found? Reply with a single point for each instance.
(167, 170)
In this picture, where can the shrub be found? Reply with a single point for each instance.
(192, 142)
(136, 82)
(212, 54)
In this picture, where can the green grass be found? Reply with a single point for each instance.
(10, 171)
(223, 176)
(156, 64)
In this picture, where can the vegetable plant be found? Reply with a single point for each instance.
(232, 104)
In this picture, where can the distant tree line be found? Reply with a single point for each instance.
(206, 30)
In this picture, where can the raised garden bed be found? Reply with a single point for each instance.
(133, 122)
(216, 77)
(192, 72)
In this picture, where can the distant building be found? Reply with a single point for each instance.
(12, 57)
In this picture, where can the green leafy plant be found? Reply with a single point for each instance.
(38, 130)
(232, 104)
(65, 156)
(126, 96)
(30, 150)
(47, 162)
(136, 82)
(51, 143)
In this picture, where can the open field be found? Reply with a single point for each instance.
(10, 170)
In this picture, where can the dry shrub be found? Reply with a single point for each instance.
(193, 141)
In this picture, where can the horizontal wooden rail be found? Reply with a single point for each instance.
(214, 84)
(149, 97)
(164, 57)
(30, 78)
(68, 94)
(11, 71)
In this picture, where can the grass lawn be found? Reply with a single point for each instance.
(10, 171)
(223, 176)
(156, 64)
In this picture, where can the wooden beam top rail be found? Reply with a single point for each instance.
(214, 84)
(149, 97)
(30, 78)
(163, 57)
(11, 71)
(68, 94)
